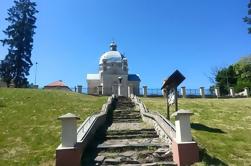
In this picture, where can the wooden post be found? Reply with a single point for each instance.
(167, 106)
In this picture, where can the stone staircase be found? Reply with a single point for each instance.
(128, 141)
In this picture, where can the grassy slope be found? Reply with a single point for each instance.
(221, 126)
(30, 131)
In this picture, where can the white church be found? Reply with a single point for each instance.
(113, 77)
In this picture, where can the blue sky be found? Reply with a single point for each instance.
(157, 37)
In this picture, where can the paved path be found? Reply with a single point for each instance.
(129, 141)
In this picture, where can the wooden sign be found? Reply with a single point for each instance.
(174, 80)
(170, 88)
(171, 98)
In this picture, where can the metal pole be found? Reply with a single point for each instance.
(36, 74)
(176, 98)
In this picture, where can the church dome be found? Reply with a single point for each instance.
(111, 56)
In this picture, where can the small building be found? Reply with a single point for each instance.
(112, 66)
(57, 85)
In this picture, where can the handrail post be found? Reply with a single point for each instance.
(185, 150)
(67, 153)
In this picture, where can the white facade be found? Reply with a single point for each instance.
(112, 66)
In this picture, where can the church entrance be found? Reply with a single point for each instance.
(115, 89)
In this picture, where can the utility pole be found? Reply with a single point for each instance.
(227, 80)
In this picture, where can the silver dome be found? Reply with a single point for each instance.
(111, 56)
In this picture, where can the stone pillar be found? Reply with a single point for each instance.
(182, 124)
(145, 91)
(69, 129)
(129, 91)
(67, 153)
(119, 90)
(185, 150)
(183, 92)
(246, 92)
(202, 92)
(232, 92)
(217, 91)
(79, 88)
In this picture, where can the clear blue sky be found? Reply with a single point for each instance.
(157, 37)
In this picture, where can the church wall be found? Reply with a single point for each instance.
(135, 85)
(92, 86)
(110, 84)
(113, 68)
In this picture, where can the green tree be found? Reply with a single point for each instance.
(247, 19)
(17, 63)
(243, 72)
(226, 78)
(237, 75)
(5, 72)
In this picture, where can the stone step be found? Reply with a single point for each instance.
(141, 130)
(133, 157)
(135, 163)
(127, 115)
(123, 132)
(125, 112)
(127, 120)
(118, 118)
(129, 141)
(126, 147)
(121, 118)
(131, 136)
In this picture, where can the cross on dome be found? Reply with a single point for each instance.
(113, 46)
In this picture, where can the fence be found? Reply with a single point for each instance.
(189, 92)
(156, 92)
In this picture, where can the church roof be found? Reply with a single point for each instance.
(133, 77)
(92, 77)
(58, 83)
(111, 56)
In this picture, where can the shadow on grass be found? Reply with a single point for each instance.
(202, 127)
(2, 104)
(210, 160)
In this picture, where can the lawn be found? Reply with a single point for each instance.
(222, 127)
(30, 131)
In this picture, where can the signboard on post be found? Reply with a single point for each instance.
(170, 87)
(171, 98)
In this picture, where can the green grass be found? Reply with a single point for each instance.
(222, 127)
(29, 129)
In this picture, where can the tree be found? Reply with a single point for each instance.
(237, 75)
(226, 78)
(5, 72)
(243, 72)
(248, 19)
(16, 65)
